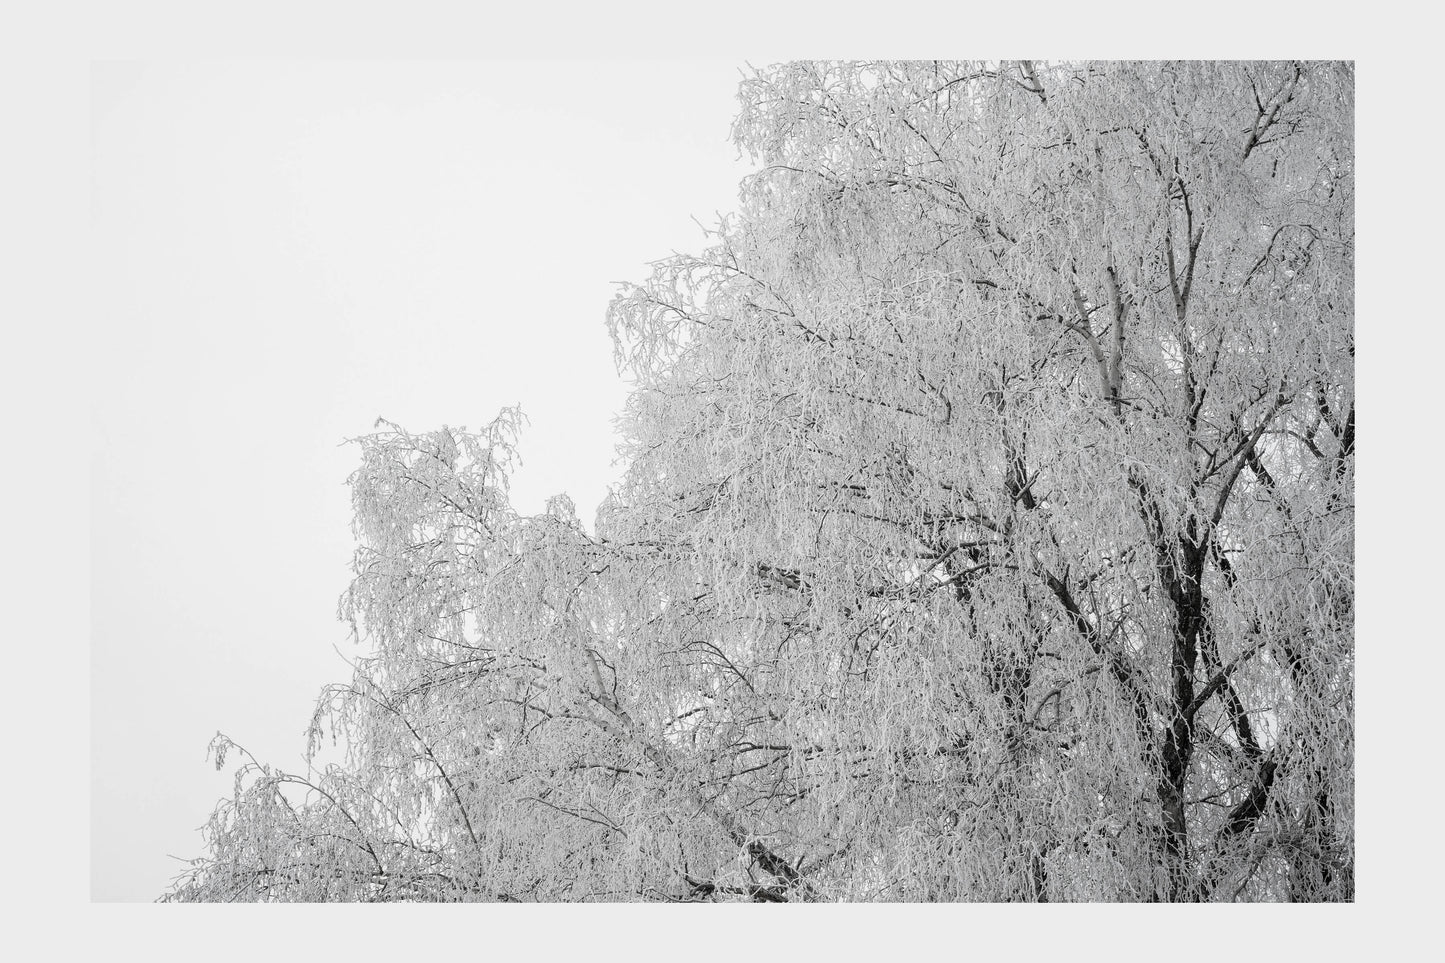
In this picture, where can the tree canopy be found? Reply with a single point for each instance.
(986, 533)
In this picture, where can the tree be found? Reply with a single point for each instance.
(986, 533)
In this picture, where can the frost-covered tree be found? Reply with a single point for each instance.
(986, 533)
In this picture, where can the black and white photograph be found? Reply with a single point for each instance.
(882, 481)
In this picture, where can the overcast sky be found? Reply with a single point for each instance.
(285, 253)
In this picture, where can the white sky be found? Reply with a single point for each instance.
(285, 253)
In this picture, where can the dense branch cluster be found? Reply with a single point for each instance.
(986, 534)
